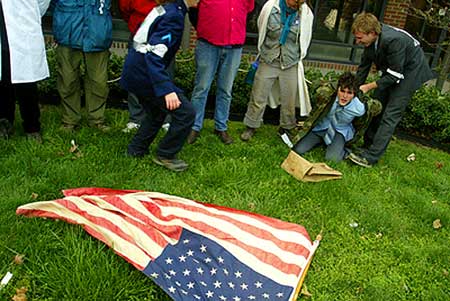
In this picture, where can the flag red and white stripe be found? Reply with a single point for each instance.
(138, 225)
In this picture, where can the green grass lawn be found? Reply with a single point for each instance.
(393, 254)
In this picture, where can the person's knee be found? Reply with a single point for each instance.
(334, 156)
(300, 148)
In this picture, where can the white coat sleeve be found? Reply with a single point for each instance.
(43, 6)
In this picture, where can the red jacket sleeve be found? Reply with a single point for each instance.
(125, 9)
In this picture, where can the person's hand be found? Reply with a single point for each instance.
(367, 87)
(172, 101)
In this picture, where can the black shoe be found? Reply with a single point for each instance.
(224, 137)
(248, 134)
(6, 129)
(172, 164)
(193, 135)
(359, 160)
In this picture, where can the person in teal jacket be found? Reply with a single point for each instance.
(336, 128)
(83, 32)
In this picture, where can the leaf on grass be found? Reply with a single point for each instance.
(353, 224)
(411, 157)
(305, 291)
(21, 294)
(18, 259)
(439, 165)
(319, 236)
(434, 202)
(34, 196)
(74, 147)
(251, 205)
(379, 235)
(406, 288)
(437, 224)
(75, 150)
(445, 272)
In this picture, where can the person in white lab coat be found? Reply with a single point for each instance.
(23, 64)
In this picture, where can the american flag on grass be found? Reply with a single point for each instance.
(193, 251)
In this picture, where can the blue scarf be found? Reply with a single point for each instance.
(287, 17)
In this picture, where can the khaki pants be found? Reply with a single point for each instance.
(264, 79)
(95, 83)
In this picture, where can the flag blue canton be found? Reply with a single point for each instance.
(197, 268)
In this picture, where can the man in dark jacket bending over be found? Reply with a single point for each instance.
(403, 68)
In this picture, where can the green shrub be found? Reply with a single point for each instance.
(47, 88)
(428, 114)
(185, 71)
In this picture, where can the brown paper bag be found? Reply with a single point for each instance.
(305, 171)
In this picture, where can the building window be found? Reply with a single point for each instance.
(431, 38)
(332, 38)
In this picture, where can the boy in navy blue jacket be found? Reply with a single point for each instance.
(144, 74)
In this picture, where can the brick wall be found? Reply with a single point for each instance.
(396, 13)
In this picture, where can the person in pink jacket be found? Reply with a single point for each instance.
(221, 30)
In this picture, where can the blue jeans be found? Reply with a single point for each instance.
(334, 152)
(210, 60)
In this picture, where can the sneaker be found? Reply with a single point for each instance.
(193, 135)
(248, 134)
(172, 164)
(359, 160)
(131, 126)
(35, 136)
(224, 137)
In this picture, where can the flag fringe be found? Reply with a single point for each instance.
(305, 271)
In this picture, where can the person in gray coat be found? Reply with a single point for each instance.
(403, 68)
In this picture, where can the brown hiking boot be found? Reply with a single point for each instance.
(193, 135)
(224, 137)
(248, 134)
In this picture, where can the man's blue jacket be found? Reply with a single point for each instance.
(82, 24)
